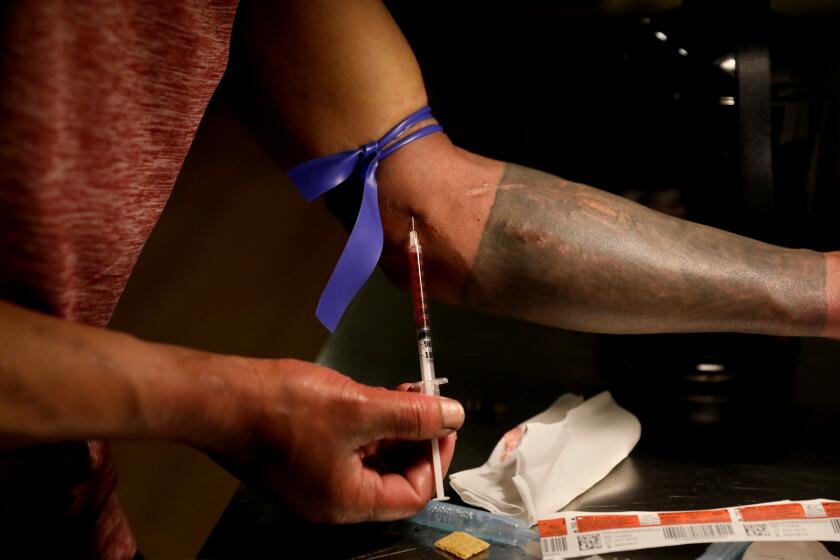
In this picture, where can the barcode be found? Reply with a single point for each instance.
(591, 541)
(757, 529)
(698, 531)
(551, 545)
(835, 524)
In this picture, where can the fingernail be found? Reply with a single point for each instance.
(452, 414)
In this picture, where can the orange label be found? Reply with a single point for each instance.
(832, 509)
(587, 523)
(772, 512)
(690, 517)
(553, 528)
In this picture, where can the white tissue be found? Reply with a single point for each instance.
(546, 462)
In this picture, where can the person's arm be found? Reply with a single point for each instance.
(505, 238)
(306, 436)
(568, 255)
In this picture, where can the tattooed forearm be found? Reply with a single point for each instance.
(568, 255)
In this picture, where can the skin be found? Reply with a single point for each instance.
(354, 452)
(321, 77)
(568, 255)
(831, 328)
(496, 236)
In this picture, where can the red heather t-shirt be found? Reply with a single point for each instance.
(99, 102)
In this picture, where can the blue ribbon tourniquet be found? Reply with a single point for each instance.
(364, 246)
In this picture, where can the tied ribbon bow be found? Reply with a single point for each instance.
(364, 246)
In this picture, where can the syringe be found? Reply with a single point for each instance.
(428, 384)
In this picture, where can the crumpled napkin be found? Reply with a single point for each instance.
(544, 463)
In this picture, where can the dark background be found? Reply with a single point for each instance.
(593, 96)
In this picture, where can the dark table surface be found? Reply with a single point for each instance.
(652, 478)
(761, 435)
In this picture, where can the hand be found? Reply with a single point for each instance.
(334, 450)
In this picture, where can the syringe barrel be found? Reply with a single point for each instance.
(418, 288)
(421, 313)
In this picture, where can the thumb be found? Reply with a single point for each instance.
(406, 415)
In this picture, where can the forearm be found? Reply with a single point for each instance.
(60, 381)
(566, 254)
(522, 243)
